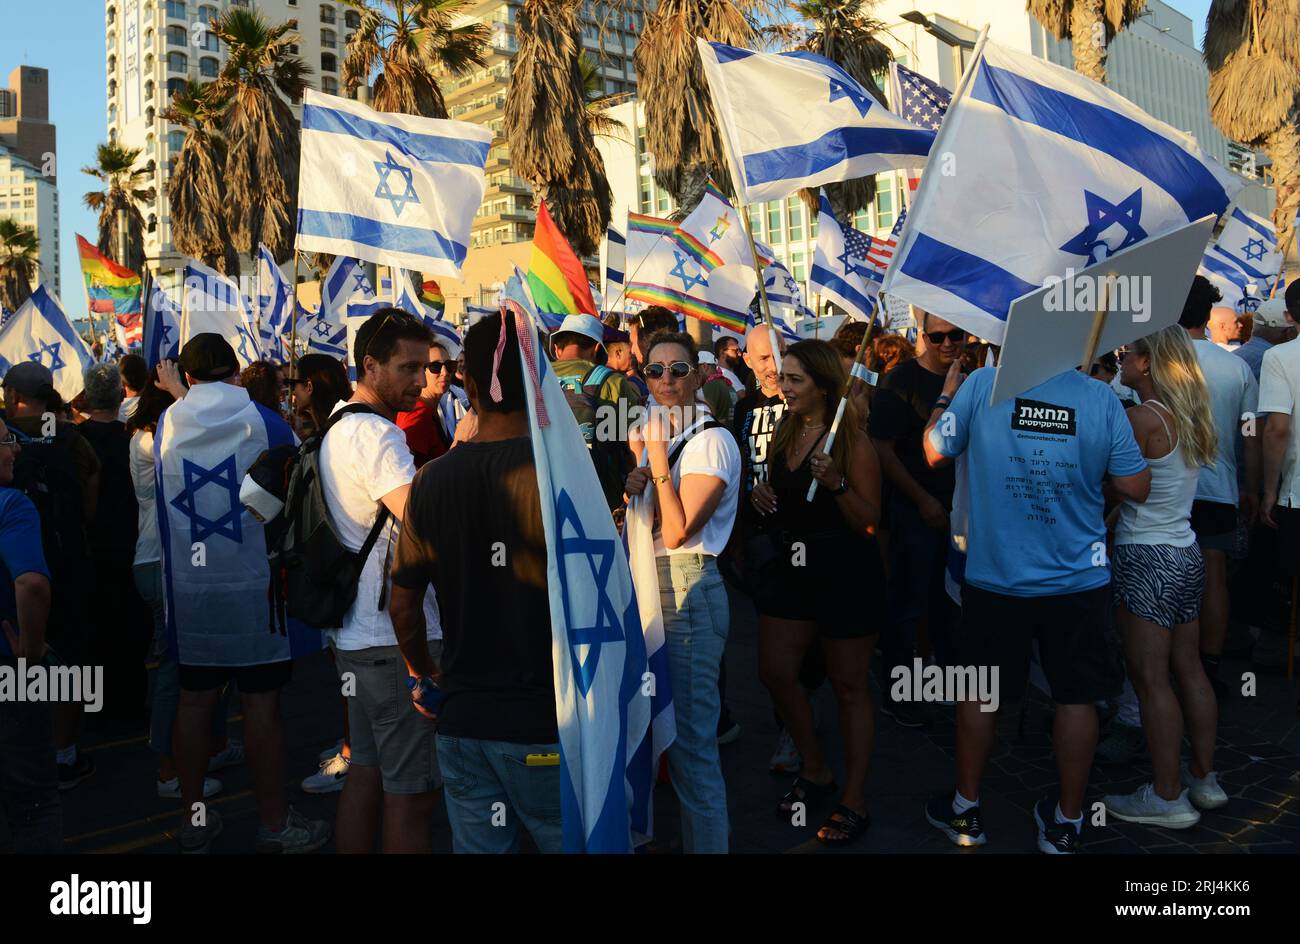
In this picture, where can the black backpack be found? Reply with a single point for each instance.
(314, 575)
(46, 473)
(610, 457)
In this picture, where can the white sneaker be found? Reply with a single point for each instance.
(785, 759)
(232, 754)
(1205, 792)
(330, 777)
(330, 751)
(1144, 805)
(171, 789)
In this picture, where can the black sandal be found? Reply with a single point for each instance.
(806, 792)
(844, 820)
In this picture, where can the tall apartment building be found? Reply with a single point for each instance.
(153, 46)
(29, 190)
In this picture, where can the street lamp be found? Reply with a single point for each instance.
(948, 38)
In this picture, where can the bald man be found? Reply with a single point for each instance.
(1223, 328)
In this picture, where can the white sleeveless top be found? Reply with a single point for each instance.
(1165, 517)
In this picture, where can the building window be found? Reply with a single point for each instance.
(211, 42)
(149, 114)
(329, 85)
(112, 64)
(326, 13)
(176, 9)
(775, 233)
(176, 62)
(177, 36)
(112, 87)
(207, 14)
(796, 263)
(208, 67)
(175, 140)
(112, 14)
(328, 63)
(148, 89)
(795, 206)
(351, 19)
(884, 203)
(175, 86)
(327, 39)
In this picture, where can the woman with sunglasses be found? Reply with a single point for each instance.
(426, 426)
(1158, 577)
(828, 579)
(693, 469)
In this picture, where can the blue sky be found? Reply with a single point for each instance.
(72, 49)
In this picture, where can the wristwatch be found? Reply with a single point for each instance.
(844, 486)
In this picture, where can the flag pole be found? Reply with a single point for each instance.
(293, 315)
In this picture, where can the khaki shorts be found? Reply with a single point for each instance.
(384, 729)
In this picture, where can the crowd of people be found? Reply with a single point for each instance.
(1094, 536)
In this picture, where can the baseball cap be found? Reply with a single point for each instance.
(707, 357)
(209, 357)
(30, 379)
(1271, 313)
(587, 325)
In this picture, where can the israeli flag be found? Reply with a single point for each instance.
(214, 303)
(1051, 171)
(388, 188)
(599, 652)
(216, 580)
(475, 313)
(275, 298)
(782, 289)
(1247, 243)
(615, 263)
(1239, 291)
(162, 327)
(409, 300)
(344, 290)
(841, 268)
(795, 119)
(40, 331)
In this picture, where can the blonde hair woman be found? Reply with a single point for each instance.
(1158, 577)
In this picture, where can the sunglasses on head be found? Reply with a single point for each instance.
(400, 318)
(938, 337)
(679, 369)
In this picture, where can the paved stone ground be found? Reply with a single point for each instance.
(1258, 760)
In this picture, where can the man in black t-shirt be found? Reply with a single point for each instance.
(473, 528)
(918, 501)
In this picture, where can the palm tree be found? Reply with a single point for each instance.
(681, 130)
(1090, 25)
(548, 126)
(115, 166)
(845, 32)
(18, 252)
(1253, 50)
(414, 44)
(262, 134)
(597, 102)
(196, 193)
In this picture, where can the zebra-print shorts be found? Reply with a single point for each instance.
(1159, 582)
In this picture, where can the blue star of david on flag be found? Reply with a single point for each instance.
(221, 476)
(856, 246)
(165, 333)
(363, 283)
(679, 272)
(595, 565)
(385, 190)
(853, 92)
(1102, 214)
(1254, 250)
(323, 329)
(52, 349)
(247, 349)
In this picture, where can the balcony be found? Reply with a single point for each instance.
(509, 185)
(505, 216)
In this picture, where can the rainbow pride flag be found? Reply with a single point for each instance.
(431, 295)
(556, 278)
(112, 289)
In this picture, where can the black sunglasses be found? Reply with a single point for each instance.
(679, 369)
(437, 367)
(938, 337)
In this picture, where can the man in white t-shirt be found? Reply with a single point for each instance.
(366, 471)
(1279, 392)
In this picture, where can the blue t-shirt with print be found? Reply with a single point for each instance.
(20, 553)
(1036, 464)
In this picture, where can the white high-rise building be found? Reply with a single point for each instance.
(31, 198)
(153, 46)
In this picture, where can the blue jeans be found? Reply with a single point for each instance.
(477, 775)
(918, 555)
(696, 617)
(29, 779)
(166, 693)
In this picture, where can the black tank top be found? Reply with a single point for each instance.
(819, 520)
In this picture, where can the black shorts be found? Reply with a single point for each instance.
(1215, 524)
(252, 679)
(1078, 655)
(828, 594)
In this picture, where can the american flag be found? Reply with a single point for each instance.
(920, 101)
(882, 250)
(859, 251)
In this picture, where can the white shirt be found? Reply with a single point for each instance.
(1233, 392)
(362, 459)
(127, 408)
(734, 381)
(143, 477)
(711, 452)
(1279, 392)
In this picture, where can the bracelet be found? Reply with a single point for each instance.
(661, 479)
(943, 402)
(844, 486)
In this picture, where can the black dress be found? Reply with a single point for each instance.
(826, 572)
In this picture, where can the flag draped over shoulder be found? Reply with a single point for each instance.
(214, 303)
(388, 188)
(556, 277)
(1052, 171)
(598, 649)
(112, 289)
(40, 331)
(162, 327)
(795, 120)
